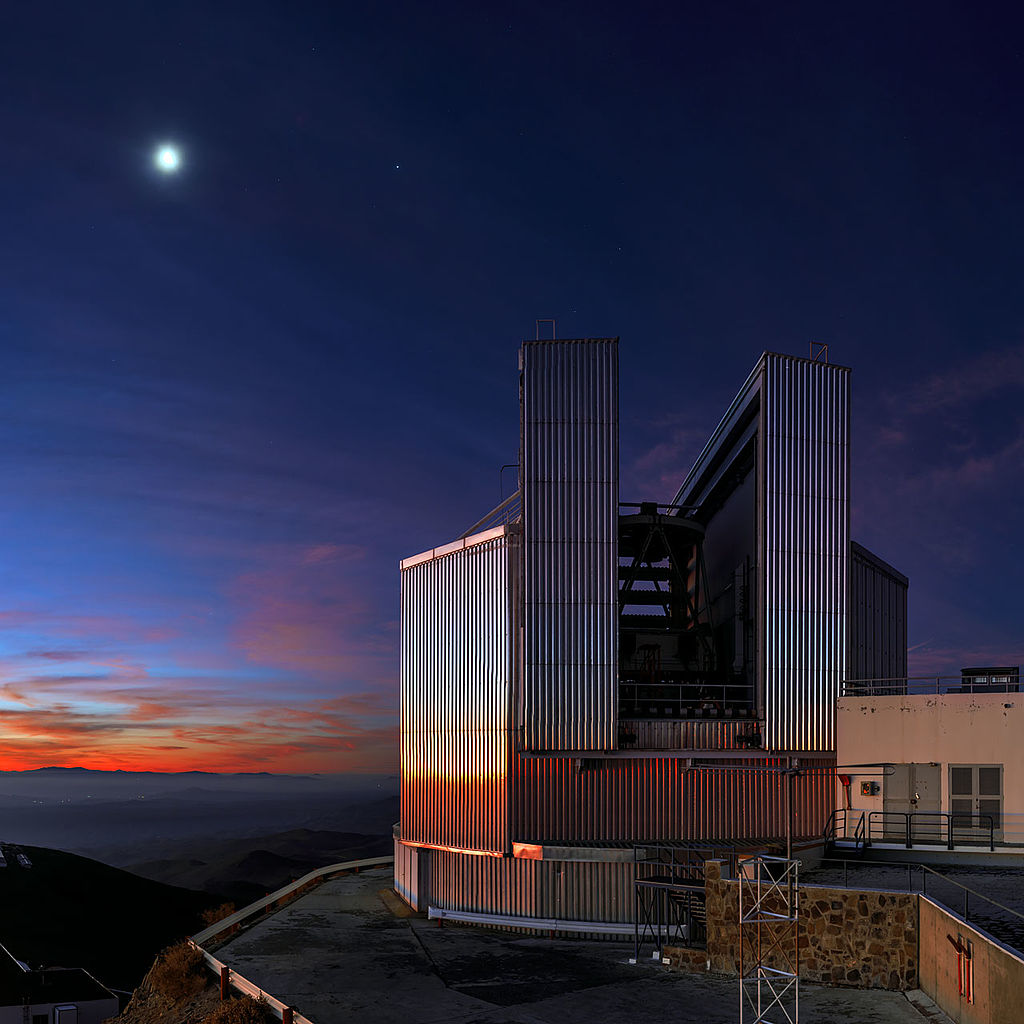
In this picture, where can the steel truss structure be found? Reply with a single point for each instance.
(769, 899)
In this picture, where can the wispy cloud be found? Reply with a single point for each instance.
(310, 611)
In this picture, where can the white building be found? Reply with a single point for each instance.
(51, 996)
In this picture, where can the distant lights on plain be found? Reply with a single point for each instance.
(167, 158)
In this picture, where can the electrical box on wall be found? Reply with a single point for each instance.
(869, 789)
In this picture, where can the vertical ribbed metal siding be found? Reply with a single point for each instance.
(694, 734)
(876, 620)
(805, 491)
(569, 482)
(647, 799)
(630, 801)
(571, 890)
(410, 877)
(457, 653)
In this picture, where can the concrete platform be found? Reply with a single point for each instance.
(339, 954)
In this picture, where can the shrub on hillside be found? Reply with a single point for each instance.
(179, 971)
(244, 1010)
(215, 914)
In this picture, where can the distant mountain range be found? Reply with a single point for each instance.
(194, 840)
(122, 771)
(129, 817)
(244, 870)
(71, 911)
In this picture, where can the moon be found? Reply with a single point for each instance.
(167, 158)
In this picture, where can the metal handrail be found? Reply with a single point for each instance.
(949, 817)
(649, 699)
(831, 830)
(898, 686)
(673, 911)
(685, 861)
(830, 833)
(277, 899)
(233, 922)
(925, 871)
(501, 515)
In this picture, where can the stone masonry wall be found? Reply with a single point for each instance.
(861, 938)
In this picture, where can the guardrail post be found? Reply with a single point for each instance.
(225, 982)
(949, 832)
(910, 845)
(287, 1014)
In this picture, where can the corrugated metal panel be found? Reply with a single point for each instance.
(571, 890)
(485, 884)
(804, 444)
(800, 409)
(569, 484)
(458, 658)
(411, 874)
(694, 734)
(647, 799)
(876, 619)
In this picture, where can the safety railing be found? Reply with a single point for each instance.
(231, 979)
(668, 891)
(911, 868)
(685, 699)
(682, 863)
(837, 826)
(900, 686)
(931, 827)
(509, 511)
(668, 913)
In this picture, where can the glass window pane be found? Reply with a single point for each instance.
(991, 808)
(988, 781)
(960, 781)
(961, 807)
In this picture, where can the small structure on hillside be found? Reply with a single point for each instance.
(57, 995)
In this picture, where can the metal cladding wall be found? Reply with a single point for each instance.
(412, 879)
(570, 890)
(570, 493)
(646, 799)
(793, 414)
(805, 475)
(458, 655)
(693, 734)
(876, 618)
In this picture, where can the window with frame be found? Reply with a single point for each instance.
(976, 795)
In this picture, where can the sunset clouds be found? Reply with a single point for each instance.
(233, 398)
(303, 679)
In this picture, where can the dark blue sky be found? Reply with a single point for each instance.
(234, 397)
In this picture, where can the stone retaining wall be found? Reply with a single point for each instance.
(862, 938)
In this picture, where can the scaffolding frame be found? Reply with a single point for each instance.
(769, 946)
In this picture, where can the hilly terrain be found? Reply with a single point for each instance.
(70, 911)
(123, 818)
(244, 870)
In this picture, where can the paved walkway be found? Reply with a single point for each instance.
(341, 956)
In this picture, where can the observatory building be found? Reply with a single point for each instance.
(589, 677)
